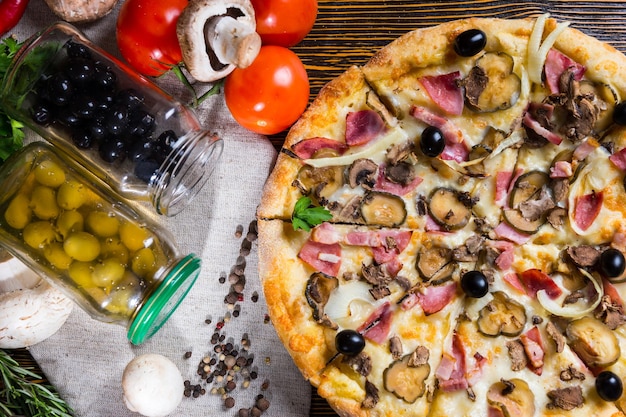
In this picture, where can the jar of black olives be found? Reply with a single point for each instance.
(67, 225)
(121, 126)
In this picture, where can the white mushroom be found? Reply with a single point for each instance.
(81, 10)
(153, 386)
(31, 310)
(217, 36)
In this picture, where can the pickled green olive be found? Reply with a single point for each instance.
(80, 273)
(144, 262)
(57, 257)
(113, 247)
(102, 224)
(71, 195)
(69, 222)
(82, 246)
(43, 201)
(18, 214)
(108, 272)
(134, 237)
(38, 234)
(50, 174)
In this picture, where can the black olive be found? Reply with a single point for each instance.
(619, 113)
(609, 386)
(612, 263)
(470, 42)
(104, 76)
(432, 142)
(146, 169)
(112, 150)
(67, 117)
(83, 106)
(82, 139)
(141, 124)
(41, 114)
(349, 342)
(77, 50)
(475, 284)
(81, 71)
(97, 131)
(116, 120)
(141, 149)
(59, 89)
(130, 98)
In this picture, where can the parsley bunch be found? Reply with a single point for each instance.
(305, 215)
(11, 133)
(21, 394)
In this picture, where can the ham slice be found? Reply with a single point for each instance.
(444, 91)
(619, 159)
(561, 169)
(326, 233)
(505, 231)
(540, 130)
(306, 148)
(452, 368)
(376, 327)
(533, 346)
(433, 299)
(535, 280)
(513, 280)
(325, 258)
(587, 208)
(363, 126)
(556, 64)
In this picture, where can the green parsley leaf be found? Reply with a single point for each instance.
(11, 133)
(306, 215)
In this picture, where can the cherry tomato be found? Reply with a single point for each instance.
(270, 95)
(146, 34)
(284, 22)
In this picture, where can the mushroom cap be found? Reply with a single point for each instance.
(230, 25)
(152, 384)
(81, 10)
(30, 315)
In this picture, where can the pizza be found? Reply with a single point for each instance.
(443, 233)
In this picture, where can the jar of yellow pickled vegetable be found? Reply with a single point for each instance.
(67, 225)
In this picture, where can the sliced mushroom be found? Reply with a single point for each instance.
(491, 84)
(447, 209)
(593, 342)
(530, 202)
(320, 183)
(383, 209)
(513, 398)
(362, 172)
(502, 316)
(406, 379)
(317, 292)
(402, 173)
(604, 98)
(217, 36)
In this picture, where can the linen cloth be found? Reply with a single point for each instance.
(85, 359)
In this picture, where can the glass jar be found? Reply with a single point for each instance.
(67, 225)
(121, 126)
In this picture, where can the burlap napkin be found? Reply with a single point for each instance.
(86, 358)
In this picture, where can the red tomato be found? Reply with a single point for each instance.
(146, 34)
(269, 95)
(284, 22)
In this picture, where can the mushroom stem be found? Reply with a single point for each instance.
(233, 41)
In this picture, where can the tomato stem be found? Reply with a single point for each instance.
(197, 100)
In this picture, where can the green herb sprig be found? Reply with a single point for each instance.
(11, 130)
(306, 215)
(20, 394)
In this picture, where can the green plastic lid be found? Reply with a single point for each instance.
(165, 299)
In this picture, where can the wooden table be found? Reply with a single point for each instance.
(348, 33)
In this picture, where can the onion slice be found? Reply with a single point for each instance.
(574, 310)
(537, 50)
